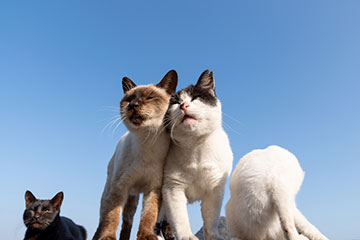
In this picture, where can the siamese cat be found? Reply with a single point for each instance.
(137, 164)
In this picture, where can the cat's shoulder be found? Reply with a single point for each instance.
(71, 230)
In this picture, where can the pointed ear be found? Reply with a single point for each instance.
(29, 198)
(206, 81)
(127, 84)
(57, 200)
(169, 82)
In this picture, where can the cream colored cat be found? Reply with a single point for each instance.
(137, 164)
(262, 204)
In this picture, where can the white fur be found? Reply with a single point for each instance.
(197, 166)
(262, 204)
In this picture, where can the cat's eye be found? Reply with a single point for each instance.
(128, 99)
(174, 101)
(150, 97)
(195, 97)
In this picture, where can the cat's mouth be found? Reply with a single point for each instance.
(188, 117)
(136, 118)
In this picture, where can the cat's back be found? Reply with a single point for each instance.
(256, 177)
(268, 166)
(71, 230)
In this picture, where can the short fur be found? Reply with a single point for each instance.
(199, 160)
(137, 164)
(262, 204)
(43, 222)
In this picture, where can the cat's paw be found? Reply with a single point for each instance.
(110, 237)
(215, 237)
(302, 237)
(190, 237)
(148, 237)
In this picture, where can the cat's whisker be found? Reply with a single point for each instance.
(109, 119)
(231, 129)
(109, 108)
(110, 124)
(117, 126)
(232, 118)
(146, 137)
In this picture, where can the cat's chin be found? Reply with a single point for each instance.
(38, 226)
(189, 123)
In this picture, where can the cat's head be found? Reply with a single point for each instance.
(195, 110)
(146, 105)
(39, 214)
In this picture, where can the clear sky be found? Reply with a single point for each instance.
(287, 73)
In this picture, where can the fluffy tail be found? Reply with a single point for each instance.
(306, 228)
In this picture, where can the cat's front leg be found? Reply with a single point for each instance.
(128, 216)
(176, 211)
(210, 211)
(150, 210)
(110, 210)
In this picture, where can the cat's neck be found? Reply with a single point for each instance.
(186, 141)
(148, 135)
(36, 234)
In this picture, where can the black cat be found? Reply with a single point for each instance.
(43, 222)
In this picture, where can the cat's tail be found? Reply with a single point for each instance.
(306, 228)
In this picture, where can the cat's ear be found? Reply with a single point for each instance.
(169, 82)
(57, 200)
(206, 81)
(127, 84)
(29, 198)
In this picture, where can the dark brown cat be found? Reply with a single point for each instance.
(43, 222)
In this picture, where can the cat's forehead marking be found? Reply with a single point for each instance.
(204, 95)
(185, 96)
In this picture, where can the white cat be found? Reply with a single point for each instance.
(262, 204)
(199, 160)
(137, 164)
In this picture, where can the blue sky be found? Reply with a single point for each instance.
(287, 73)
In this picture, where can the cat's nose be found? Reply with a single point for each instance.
(184, 106)
(133, 105)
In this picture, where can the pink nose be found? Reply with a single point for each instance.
(184, 106)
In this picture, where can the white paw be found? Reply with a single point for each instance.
(302, 237)
(190, 237)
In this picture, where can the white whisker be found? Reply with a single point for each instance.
(110, 124)
(117, 126)
(232, 118)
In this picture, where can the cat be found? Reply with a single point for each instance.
(262, 204)
(137, 164)
(43, 222)
(199, 160)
